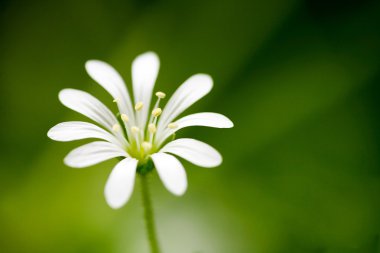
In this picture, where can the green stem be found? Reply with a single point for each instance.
(148, 214)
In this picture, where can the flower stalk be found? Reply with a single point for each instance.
(148, 214)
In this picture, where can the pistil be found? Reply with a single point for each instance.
(136, 133)
(147, 146)
(152, 130)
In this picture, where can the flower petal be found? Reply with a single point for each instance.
(88, 105)
(78, 130)
(119, 186)
(93, 153)
(207, 119)
(144, 73)
(187, 94)
(171, 172)
(105, 75)
(196, 152)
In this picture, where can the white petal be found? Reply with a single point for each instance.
(196, 152)
(88, 105)
(207, 119)
(113, 83)
(78, 130)
(119, 186)
(93, 153)
(171, 172)
(144, 73)
(187, 94)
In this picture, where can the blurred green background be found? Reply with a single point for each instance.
(300, 80)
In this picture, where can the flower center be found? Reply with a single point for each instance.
(141, 140)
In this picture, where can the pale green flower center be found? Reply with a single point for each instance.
(141, 141)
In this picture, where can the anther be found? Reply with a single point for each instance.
(173, 125)
(124, 117)
(116, 128)
(135, 130)
(156, 112)
(139, 106)
(146, 145)
(160, 94)
(152, 128)
(116, 100)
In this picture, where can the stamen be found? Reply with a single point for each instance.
(116, 100)
(152, 128)
(146, 146)
(156, 112)
(124, 117)
(135, 130)
(139, 106)
(160, 94)
(116, 128)
(173, 125)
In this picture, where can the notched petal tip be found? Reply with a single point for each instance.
(51, 133)
(179, 192)
(67, 161)
(146, 59)
(217, 163)
(94, 65)
(89, 63)
(112, 203)
(114, 206)
(204, 79)
(66, 94)
(149, 54)
(228, 123)
(144, 66)
(93, 61)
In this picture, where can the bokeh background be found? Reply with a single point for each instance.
(300, 80)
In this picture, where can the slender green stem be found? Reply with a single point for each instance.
(148, 214)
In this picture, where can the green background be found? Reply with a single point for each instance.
(300, 80)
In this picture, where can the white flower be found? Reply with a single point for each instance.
(139, 132)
